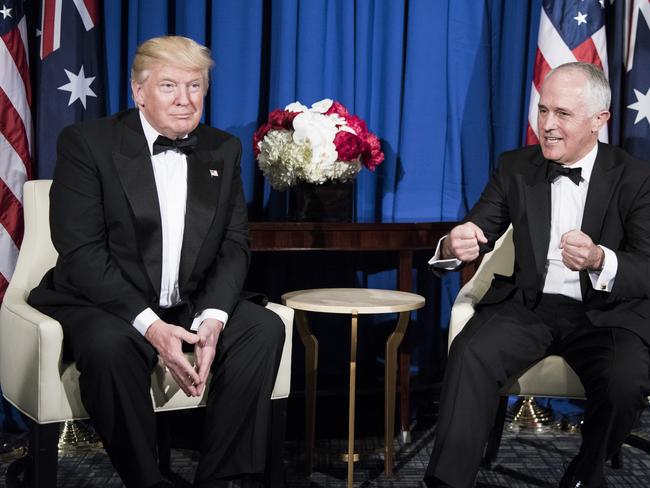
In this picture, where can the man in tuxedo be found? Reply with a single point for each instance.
(580, 212)
(149, 219)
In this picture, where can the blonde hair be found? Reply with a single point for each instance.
(177, 51)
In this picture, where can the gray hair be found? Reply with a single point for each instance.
(599, 93)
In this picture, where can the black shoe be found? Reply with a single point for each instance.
(574, 479)
(433, 482)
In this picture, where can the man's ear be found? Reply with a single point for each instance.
(600, 119)
(136, 91)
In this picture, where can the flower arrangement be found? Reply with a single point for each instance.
(314, 145)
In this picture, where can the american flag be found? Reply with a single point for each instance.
(70, 78)
(569, 30)
(629, 29)
(15, 133)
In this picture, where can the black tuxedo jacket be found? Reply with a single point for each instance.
(616, 215)
(105, 222)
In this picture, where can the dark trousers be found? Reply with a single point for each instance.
(116, 361)
(501, 341)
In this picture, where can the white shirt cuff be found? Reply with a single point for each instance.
(144, 319)
(209, 313)
(603, 280)
(446, 264)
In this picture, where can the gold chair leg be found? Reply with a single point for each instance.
(392, 344)
(353, 385)
(311, 372)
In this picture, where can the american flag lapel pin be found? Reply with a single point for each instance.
(214, 172)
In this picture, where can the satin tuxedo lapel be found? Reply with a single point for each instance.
(133, 163)
(602, 184)
(204, 176)
(538, 210)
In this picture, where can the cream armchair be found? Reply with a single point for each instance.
(36, 381)
(550, 377)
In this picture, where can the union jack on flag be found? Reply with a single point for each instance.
(569, 30)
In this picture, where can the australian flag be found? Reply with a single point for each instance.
(69, 74)
(628, 27)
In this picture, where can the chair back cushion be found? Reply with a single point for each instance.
(37, 253)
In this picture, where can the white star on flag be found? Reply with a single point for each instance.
(581, 18)
(642, 106)
(6, 12)
(79, 87)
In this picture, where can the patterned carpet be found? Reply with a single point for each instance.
(525, 459)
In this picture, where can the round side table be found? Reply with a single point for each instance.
(354, 302)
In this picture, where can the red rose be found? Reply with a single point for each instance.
(372, 155)
(338, 109)
(258, 136)
(348, 146)
(357, 125)
(282, 119)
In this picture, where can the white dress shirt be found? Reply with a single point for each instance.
(567, 209)
(170, 173)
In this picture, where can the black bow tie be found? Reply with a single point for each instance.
(555, 170)
(186, 146)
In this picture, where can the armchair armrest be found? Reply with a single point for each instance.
(31, 345)
(499, 261)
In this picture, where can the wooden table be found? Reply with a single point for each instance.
(353, 302)
(401, 238)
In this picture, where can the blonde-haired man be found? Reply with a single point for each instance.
(149, 219)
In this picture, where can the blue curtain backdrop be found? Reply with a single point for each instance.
(443, 83)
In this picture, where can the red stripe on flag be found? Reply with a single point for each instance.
(47, 28)
(587, 52)
(12, 128)
(16, 48)
(3, 287)
(11, 214)
(541, 69)
(93, 10)
(531, 138)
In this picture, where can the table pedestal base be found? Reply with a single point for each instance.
(311, 370)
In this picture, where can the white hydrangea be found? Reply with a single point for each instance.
(338, 171)
(280, 160)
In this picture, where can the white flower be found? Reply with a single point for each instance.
(317, 131)
(346, 128)
(296, 107)
(322, 106)
(280, 160)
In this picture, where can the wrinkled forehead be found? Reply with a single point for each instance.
(566, 88)
(177, 73)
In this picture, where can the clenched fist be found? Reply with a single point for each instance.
(579, 252)
(462, 242)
